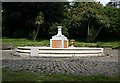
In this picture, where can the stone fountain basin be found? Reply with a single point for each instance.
(59, 52)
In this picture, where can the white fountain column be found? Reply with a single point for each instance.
(59, 30)
(60, 34)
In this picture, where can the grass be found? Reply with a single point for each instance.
(111, 44)
(45, 42)
(25, 42)
(25, 76)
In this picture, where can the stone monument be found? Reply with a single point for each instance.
(59, 40)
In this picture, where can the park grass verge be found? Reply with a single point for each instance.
(40, 78)
(25, 42)
(46, 42)
(110, 44)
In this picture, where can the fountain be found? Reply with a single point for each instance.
(59, 48)
(59, 40)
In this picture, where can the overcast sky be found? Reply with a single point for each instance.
(101, 1)
(104, 1)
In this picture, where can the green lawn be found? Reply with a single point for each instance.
(111, 44)
(25, 42)
(25, 76)
(45, 42)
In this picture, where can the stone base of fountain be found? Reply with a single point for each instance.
(59, 52)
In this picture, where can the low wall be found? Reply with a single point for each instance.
(59, 52)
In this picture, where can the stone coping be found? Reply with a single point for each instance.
(29, 47)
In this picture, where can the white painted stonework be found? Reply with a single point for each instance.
(34, 51)
(59, 36)
(59, 30)
(60, 52)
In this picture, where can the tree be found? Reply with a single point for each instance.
(39, 20)
(67, 19)
(113, 15)
(93, 18)
(87, 16)
(62, 21)
(18, 18)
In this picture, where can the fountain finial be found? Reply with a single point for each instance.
(59, 30)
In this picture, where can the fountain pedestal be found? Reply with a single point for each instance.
(59, 40)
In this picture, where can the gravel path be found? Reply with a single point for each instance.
(107, 64)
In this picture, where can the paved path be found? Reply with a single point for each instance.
(107, 65)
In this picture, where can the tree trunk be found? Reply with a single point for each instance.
(88, 33)
(97, 33)
(37, 32)
(88, 28)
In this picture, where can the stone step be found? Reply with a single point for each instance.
(59, 51)
(69, 48)
(47, 51)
